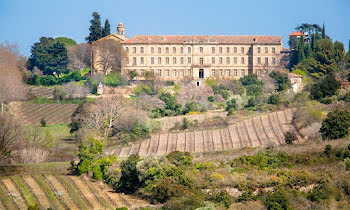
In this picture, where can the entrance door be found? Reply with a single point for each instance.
(201, 73)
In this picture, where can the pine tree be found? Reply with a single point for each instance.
(323, 32)
(107, 29)
(95, 28)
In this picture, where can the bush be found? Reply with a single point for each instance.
(191, 106)
(290, 137)
(231, 106)
(115, 80)
(180, 158)
(274, 99)
(328, 150)
(251, 102)
(320, 192)
(336, 125)
(277, 200)
(211, 98)
(58, 93)
(346, 164)
(129, 180)
(325, 87)
(281, 79)
(185, 123)
(50, 80)
(169, 83)
(221, 197)
(43, 122)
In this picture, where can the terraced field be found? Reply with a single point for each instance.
(30, 113)
(41, 91)
(61, 192)
(258, 131)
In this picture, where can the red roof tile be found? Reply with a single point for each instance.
(221, 39)
(297, 33)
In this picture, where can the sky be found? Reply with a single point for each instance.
(24, 21)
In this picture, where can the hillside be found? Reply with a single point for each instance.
(60, 191)
(254, 132)
(31, 113)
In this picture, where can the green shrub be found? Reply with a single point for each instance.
(122, 208)
(281, 79)
(231, 106)
(325, 87)
(274, 99)
(336, 125)
(170, 103)
(115, 80)
(320, 192)
(169, 83)
(290, 137)
(50, 80)
(180, 158)
(328, 150)
(221, 197)
(58, 93)
(251, 102)
(211, 98)
(277, 200)
(299, 72)
(129, 180)
(43, 122)
(191, 106)
(346, 164)
(192, 200)
(185, 123)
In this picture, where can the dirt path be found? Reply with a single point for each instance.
(61, 191)
(38, 192)
(14, 193)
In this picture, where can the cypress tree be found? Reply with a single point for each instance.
(107, 29)
(323, 32)
(301, 50)
(95, 28)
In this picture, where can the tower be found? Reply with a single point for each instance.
(121, 29)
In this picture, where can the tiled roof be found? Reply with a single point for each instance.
(221, 39)
(297, 33)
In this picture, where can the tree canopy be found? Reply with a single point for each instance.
(66, 41)
(49, 56)
(107, 29)
(95, 28)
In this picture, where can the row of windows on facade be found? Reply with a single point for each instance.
(183, 72)
(201, 60)
(201, 50)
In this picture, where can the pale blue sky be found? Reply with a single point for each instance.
(25, 21)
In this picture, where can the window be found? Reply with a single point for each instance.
(189, 50)
(201, 49)
(182, 60)
(127, 50)
(235, 60)
(134, 61)
(266, 50)
(127, 60)
(167, 60)
(159, 72)
(273, 50)
(273, 60)
(235, 49)
(220, 49)
(213, 50)
(213, 72)
(242, 72)
(259, 60)
(152, 60)
(159, 60)
(201, 61)
(229, 72)
(167, 72)
(242, 60)
(142, 60)
(174, 60)
(213, 60)
(242, 49)
(189, 60)
(259, 50)
(167, 50)
(175, 73)
(266, 61)
(228, 60)
(220, 60)
(235, 72)
(152, 49)
(141, 49)
(189, 72)
(182, 50)
(227, 50)
(174, 50)
(159, 50)
(221, 74)
(134, 50)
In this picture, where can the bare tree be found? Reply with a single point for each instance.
(11, 134)
(80, 56)
(12, 87)
(108, 55)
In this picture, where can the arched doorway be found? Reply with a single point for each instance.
(201, 73)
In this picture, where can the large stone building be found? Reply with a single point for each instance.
(175, 57)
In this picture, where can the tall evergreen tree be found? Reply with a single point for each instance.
(301, 50)
(107, 29)
(95, 28)
(323, 32)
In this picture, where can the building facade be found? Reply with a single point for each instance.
(175, 57)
